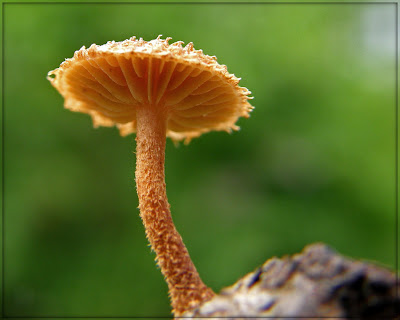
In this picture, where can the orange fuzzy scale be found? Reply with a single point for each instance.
(156, 90)
(110, 81)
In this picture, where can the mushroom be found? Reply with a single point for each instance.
(157, 90)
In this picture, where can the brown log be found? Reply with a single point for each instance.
(317, 283)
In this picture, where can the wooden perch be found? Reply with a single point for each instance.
(317, 283)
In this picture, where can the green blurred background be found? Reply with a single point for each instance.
(315, 161)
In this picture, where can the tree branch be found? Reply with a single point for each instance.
(317, 283)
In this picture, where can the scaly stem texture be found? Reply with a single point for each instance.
(186, 289)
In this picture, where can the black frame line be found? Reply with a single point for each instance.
(2, 159)
(201, 2)
(396, 138)
(396, 133)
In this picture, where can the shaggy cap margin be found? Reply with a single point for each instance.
(214, 101)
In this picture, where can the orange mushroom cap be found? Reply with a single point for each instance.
(110, 81)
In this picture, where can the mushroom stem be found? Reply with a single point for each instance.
(186, 289)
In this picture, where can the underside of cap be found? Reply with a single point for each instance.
(111, 81)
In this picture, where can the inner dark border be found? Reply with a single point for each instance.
(396, 114)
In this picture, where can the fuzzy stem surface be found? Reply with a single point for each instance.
(186, 289)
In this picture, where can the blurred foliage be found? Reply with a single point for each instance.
(315, 162)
